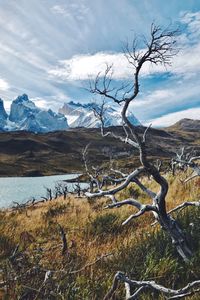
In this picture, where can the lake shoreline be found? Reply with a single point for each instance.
(22, 189)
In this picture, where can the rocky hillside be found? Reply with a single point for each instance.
(28, 154)
(186, 125)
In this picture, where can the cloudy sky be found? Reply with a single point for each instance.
(49, 48)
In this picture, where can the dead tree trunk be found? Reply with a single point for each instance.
(159, 50)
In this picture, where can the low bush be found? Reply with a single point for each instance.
(103, 225)
(55, 211)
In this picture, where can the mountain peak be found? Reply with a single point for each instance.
(3, 115)
(25, 115)
(72, 103)
(81, 115)
(186, 124)
(22, 98)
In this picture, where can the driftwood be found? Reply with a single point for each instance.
(142, 286)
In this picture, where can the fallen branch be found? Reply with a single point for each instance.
(189, 289)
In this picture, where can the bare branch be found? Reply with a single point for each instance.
(185, 160)
(144, 189)
(184, 205)
(180, 207)
(189, 289)
(145, 133)
(113, 191)
(142, 208)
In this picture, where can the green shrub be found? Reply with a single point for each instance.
(104, 224)
(6, 246)
(55, 211)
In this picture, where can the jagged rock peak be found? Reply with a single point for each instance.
(81, 115)
(22, 98)
(27, 116)
(3, 113)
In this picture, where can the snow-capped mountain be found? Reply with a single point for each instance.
(81, 115)
(21, 108)
(25, 115)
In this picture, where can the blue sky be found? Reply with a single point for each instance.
(49, 48)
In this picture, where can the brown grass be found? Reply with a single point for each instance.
(37, 227)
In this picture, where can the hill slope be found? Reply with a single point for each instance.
(143, 251)
(28, 154)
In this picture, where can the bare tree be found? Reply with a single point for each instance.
(159, 50)
(187, 160)
(49, 195)
(93, 172)
(96, 176)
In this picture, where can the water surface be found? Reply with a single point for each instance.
(21, 189)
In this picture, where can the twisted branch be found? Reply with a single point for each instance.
(190, 289)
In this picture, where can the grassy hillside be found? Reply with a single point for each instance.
(29, 154)
(143, 251)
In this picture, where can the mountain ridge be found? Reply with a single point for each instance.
(82, 115)
(25, 115)
(186, 124)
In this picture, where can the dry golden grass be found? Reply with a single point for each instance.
(37, 227)
(79, 213)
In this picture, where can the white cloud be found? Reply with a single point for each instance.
(51, 101)
(192, 21)
(7, 104)
(169, 119)
(72, 10)
(59, 9)
(185, 64)
(41, 103)
(37, 44)
(157, 97)
(81, 67)
(4, 86)
(156, 103)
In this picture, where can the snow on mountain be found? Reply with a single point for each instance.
(51, 121)
(25, 115)
(3, 115)
(21, 108)
(81, 115)
(31, 124)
